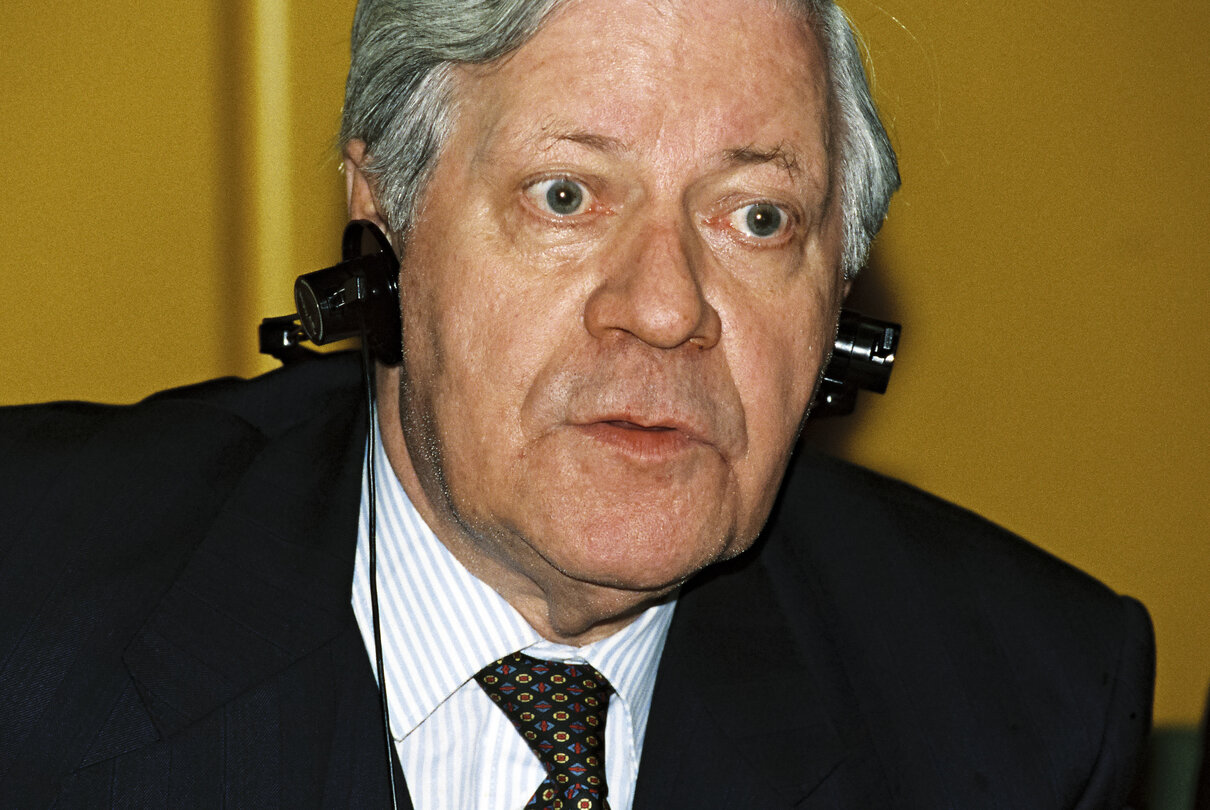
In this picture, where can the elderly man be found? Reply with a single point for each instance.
(625, 231)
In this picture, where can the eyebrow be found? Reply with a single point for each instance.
(599, 143)
(781, 155)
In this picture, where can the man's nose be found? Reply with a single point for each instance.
(653, 291)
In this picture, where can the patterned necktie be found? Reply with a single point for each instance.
(560, 711)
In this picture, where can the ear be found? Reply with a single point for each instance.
(359, 192)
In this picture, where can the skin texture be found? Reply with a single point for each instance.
(598, 401)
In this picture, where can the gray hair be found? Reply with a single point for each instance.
(398, 99)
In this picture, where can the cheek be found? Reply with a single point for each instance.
(776, 354)
(488, 352)
(496, 340)
(775, 386)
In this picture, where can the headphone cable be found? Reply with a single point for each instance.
(372, 528)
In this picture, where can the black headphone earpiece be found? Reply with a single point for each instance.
(862, 357)
(359, 296)
(360, 293)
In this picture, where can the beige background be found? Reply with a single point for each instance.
(169, 169)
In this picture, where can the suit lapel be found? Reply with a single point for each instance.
(258, 630)
(748, 709)
(355, 775)
(101, 565)
(268, 584)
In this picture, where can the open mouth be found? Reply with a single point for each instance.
(624, 425)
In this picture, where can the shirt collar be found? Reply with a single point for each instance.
(441, 624)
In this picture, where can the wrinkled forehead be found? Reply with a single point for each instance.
(675, 76)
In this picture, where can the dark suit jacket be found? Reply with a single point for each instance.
(1201, 799)
(175, 631)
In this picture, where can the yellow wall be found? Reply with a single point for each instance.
(169, 168)
(167, 173)
(1050, 260)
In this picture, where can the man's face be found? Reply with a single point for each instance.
(620, 289)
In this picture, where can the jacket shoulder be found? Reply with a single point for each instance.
(107, 509)
(835, 508)
(54, 447)
(955, 630)
(276, 401)
(109, 478)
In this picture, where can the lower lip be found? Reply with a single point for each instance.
(646, 443)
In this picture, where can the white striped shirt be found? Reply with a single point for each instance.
(441, 625)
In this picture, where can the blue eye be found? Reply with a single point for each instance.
(560, 196)
(564, 197)
(762, 220)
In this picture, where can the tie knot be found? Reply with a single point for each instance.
(559, 709)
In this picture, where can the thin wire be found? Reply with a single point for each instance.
(372, 521)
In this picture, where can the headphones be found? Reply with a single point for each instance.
(360, 296)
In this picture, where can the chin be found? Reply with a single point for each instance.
(635, 552)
